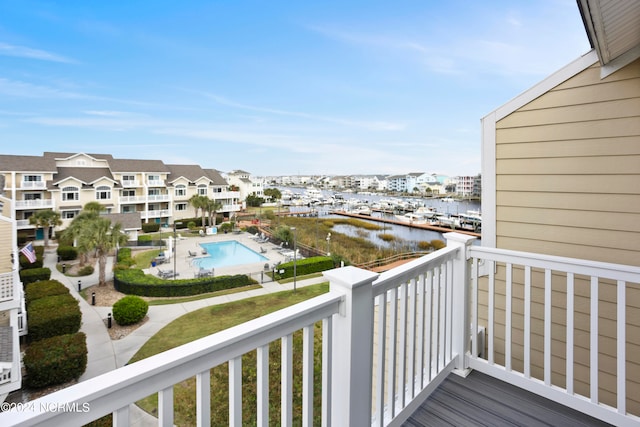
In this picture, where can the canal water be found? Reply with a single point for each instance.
(403, 234)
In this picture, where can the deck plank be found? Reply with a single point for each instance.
(480, 400)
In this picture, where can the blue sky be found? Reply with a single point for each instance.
(277, 87)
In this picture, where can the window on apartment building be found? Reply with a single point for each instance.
(32, 196)
(153, 178)
(217, 190)
(128, 209)
(32, 178)
(128, 178)
(202, 190)
(69, 214)
(181, 190)
(128, 193)
(103, 193)
(70, 193)
(181, 207)
(154, 192)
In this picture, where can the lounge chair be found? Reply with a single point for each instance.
(166, 274)
(263, 250)
(204, 251)
(192, 254)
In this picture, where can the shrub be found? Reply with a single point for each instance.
(191, 225)
(129, 310)
(34, 275)
(134, 281)
(225, 227)
(67, 253)
(44, 288)
(24, 262)
(438, 244)
(150, 227)
(53, 315)
(55, 360)
(386, 237)
(124, 254)
(305, 266)
(86, 270)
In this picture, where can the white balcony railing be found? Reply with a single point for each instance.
(158, 197)
(159, 213)
(32, 185)
(387, 341)
(155, 183)
(35, 204)
(8, 286)
(132, 199)
(128, 183)
(231, 208)
(226, 195)
(24, 223)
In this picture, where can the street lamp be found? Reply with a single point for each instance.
(328, 244)
(295, 258)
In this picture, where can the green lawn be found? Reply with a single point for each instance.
(209, 320)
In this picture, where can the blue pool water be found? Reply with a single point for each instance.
(225, 254)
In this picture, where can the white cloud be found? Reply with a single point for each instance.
(27, 52)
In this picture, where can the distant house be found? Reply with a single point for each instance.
(561, 176)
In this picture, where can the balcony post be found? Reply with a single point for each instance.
(352, 357)
(461, 286)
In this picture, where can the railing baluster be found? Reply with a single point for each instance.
(235, 391)
(547, 327)
(436, 317)
(165, 407)
(381, 359)
(263, 385)
(621, 338)
(570, 332)
(442, 318)
(287, 380)
(475, 277)
(121, 417)
(420, 318)
(402, 346)
(593, 360)
(203, 399)
(411, 344)
(507, 317)
(429, 326)
(491, 302)
(391, 352)
(527, 321)
(448, 297)
(307, 375)
(327, 350)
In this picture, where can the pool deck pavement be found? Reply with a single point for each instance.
(105, 354)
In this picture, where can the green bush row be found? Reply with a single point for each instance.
(67, 253)
(55, 360)
(34, 275)
(150, 227)
(305, 266)
(53, 315)
(129, 310)
(135, 282)
(24, 262)
(45, 288)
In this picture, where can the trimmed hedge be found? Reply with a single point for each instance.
(150, 227)
(305, 266)
(135, 282)
(24, 262)
(44, 288)
(55, 360)
(67, 253)
(129, 310)
(35, 275)
(54, 315)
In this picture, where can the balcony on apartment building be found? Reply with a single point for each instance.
(155, 213)
(389, 343)
(144, 198)
(35, 204)
(33, 185)
(12, 304)
(130, 183)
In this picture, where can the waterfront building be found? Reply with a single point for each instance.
(65, 182)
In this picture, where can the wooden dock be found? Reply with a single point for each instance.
(418, 226)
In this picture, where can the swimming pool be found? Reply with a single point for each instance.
(225, 254)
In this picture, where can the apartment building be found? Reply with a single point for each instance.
(65, 182)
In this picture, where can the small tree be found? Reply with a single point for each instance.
(45, 219)
(213, 206)
(199, 203)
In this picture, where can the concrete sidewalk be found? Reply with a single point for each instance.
(105, 355)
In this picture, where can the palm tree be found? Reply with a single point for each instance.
(45, 219)
(79, 228)
(104, 237)
(213, 206)
(199, 203)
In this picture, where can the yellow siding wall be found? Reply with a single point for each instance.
(568, 184)
(568, 170)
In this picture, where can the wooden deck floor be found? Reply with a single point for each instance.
(480, 400)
